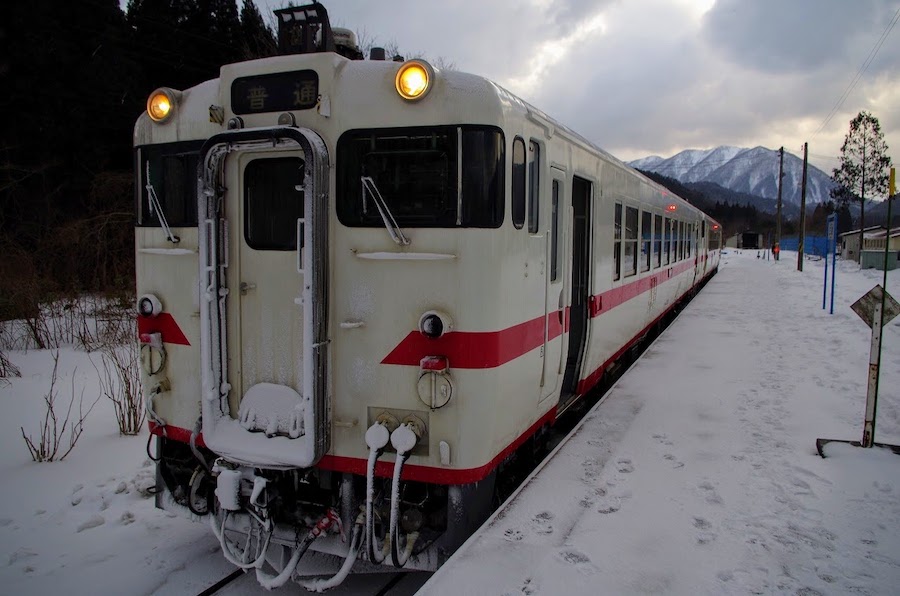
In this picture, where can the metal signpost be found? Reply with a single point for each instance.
(877, 308)
(830, 248)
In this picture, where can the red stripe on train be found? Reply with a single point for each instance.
(490, 349)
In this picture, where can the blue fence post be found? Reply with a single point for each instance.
(830, 247)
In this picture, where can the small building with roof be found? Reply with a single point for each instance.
(850, 242)
(873, 249)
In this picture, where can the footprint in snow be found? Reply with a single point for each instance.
(709, 491)
(673, 460)
(92, 522)
(574, 558)
(625, 466)
(542, 523)
(513, 535)
(76, 494)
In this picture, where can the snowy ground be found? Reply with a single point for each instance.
(697, 475)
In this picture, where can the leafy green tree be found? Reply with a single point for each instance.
(864, 164)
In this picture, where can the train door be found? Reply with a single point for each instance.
(263, 296)
(269, 318)
(579, 315)
(554, 297)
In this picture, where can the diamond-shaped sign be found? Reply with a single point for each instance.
(865, 306)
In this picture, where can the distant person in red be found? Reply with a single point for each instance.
(776, 250)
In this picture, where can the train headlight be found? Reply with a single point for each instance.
(433, 324)
(414, 79)
(149, 306)
(161, 104)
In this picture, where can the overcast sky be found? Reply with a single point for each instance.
(645, 77)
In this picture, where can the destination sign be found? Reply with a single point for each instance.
(279, 92)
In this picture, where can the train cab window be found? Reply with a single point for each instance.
(657, 240)
(173, 178)
(416, 170)
(646, 239)
(273, 203)
(630, 242)
(617, 248)
(554, 246)
(518, 183)
(534, 187)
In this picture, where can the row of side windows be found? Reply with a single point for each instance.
(645, 240)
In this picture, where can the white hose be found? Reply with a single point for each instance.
(404, 440)
(321, 584)
(227, 552)
(377, 436)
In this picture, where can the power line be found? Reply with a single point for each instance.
(859, 73)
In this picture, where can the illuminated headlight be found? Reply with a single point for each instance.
(161, 104)
(149, 305)
(433, 324)
(414, 79)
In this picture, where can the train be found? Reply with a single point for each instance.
(366, 286)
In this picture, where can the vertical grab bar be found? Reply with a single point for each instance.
(300, 230)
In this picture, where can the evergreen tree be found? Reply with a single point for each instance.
(257, 39)
(864, 163)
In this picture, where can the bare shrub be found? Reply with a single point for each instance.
(120, 382)
(55, 435)
(7, 368)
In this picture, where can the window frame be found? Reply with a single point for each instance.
(518, 185)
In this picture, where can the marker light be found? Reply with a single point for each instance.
(672, 207)
(149, 306)
(414, 79)
(161, 104)
(433, 324)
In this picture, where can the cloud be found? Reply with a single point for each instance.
(640, 77)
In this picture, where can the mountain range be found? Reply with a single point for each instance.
(750, 171)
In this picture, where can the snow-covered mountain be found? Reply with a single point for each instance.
(753, 171)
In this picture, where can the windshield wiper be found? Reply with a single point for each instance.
(386, 216)
(156, 207)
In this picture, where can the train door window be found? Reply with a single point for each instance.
(630, 242)
(554, 246)
(646, 239)
(518, 183)
(272, 203)
(617, 244)
(667, 234)
(677, 229)
(657, 240)
(703, 229)
(534, 180)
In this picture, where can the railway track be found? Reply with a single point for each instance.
(369, 584)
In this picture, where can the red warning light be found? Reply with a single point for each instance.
(715, 226)
(671, 207)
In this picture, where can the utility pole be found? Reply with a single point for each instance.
(778, 212)
(802, 211)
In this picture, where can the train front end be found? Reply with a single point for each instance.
(304, 223)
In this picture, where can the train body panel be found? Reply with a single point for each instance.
(372, 291)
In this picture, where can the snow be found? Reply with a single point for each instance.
(697, 475)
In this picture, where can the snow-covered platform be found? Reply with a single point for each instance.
(698, 473)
